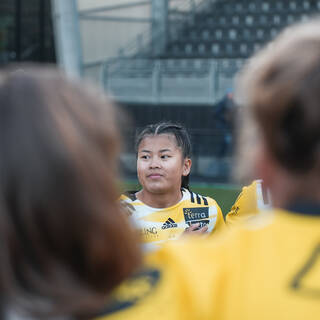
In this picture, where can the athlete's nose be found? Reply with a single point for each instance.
(155, 162)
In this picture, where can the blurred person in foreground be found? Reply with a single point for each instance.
(64, 242)
(269, 268)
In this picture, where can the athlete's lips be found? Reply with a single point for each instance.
(154, 175)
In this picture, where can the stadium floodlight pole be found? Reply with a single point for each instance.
(159, 27)
(67, 36)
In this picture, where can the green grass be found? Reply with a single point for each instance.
(225, 195)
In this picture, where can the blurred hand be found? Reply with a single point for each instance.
(127, 208)
(193, 229)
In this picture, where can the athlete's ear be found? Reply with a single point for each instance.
(187, 163)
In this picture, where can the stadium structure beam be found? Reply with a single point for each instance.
(120, 19)
(18, 29)
(67, 36)
(114, 7)
(159, 28)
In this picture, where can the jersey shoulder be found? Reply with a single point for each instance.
(245, 203)
(196, 199)
(127, 201)
(251, 200)
(128, 196)
(129, 299)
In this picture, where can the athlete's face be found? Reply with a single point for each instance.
(160, 164)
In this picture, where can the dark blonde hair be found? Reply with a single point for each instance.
(64, 242)
(281, 88)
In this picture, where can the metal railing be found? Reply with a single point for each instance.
(170, 81)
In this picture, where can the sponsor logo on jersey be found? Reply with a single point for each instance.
(148, 231)
(196, 215)
(191, 214)
(169, 224)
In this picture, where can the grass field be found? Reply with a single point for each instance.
(225, 195)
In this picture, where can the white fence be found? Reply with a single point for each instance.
(169, 81)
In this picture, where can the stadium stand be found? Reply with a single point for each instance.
(204, 50)
(220, 32)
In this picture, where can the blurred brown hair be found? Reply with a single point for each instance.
(64, 242)
(281, 88)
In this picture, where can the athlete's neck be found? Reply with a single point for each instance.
(157, 200)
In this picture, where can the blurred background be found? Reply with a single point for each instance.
(159, 60)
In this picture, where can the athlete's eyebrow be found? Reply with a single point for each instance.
(148, 151)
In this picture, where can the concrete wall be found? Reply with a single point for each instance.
(101, 39)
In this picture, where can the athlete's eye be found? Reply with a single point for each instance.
(144, 156)
(165, 156)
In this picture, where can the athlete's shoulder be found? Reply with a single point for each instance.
(246, 202)
(155, 293)
(197, 199)
(127, 299)
(211, 201)
(249, 192)
(128, 196)
(127, 201)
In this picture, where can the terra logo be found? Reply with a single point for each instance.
(191, 214)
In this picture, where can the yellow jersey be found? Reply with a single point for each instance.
(157, 226)
(252, 200)
(266, 269)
